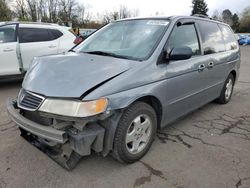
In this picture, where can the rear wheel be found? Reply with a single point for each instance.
(227, 90)
(135, 133)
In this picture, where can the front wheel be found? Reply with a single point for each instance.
(227, 90)
(135, 133)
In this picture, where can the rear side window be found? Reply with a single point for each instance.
(8, 34)
(33, 35)
(229, 38)
(55, 34)
(211, 37)
(184, 35)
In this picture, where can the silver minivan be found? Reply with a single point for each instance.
(111, 93)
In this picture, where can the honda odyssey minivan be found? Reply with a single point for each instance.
(111, 93)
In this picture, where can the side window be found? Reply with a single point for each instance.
(55, 34)
(229, 39)
(8, 33)
(184, 35)
(33, 35)
(211, 37)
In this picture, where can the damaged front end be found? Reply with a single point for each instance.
(65, 139)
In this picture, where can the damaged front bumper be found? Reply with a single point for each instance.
(65, 146)
(33, 127)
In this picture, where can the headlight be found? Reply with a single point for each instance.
(74, 108)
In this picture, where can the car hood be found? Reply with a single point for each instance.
(72, 75)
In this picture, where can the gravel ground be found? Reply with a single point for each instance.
(208, 148)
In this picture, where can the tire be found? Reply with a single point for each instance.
(224, 96)
(141, 116)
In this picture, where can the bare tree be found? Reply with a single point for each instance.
(216, 15)
(21, 9)
(42, 13)
(81, 13)
(52, 8)
(134, 13)
(124, 12)
(32, 9)
(110, 16)
(66, 10)
(106, 17)
(88, 17)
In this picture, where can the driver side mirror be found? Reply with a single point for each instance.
(180, 53)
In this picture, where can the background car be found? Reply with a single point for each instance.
(21, 42)
(244, 39)
(86, 32)
(83, 34)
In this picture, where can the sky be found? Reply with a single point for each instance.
(163, 7)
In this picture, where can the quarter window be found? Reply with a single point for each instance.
(55, 34)
(184, 35)
(33, 35)
(211, 37)
(229, 39)
(8, 33)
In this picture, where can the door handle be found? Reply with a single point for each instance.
(8, 50)
(201, 67)
(210, 65)
(51, 46)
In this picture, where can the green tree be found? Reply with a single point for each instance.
(199, 7)
(245, 21)
(5, 12)
(235, 22)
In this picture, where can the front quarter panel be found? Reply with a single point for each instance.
(123, 99)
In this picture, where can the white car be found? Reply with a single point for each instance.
(21, 42)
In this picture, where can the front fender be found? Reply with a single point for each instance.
(125, 98)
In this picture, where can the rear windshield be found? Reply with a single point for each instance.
(133, 39)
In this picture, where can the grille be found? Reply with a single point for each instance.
(29, 101)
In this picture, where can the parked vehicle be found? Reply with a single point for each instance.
(82, 35)
(111, 93)
(86, 32)
(21, 42)
(244, 39)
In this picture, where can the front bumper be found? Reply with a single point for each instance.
(65, 147)
(39, 130)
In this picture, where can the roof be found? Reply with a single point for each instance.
(36, 23)
(197, 17)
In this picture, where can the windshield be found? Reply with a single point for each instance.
(130, 39)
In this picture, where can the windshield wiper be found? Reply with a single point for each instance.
(71, 50)
(107, 54)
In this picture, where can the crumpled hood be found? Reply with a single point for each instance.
(72, 75)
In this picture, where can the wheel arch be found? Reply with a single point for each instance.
(155, 103)
(233, 72)
(111, 124)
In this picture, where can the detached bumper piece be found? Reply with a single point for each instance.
(64, 147)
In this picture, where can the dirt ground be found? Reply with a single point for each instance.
(209, 148)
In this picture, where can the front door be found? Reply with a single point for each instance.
(9, 64)
(185, 79)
